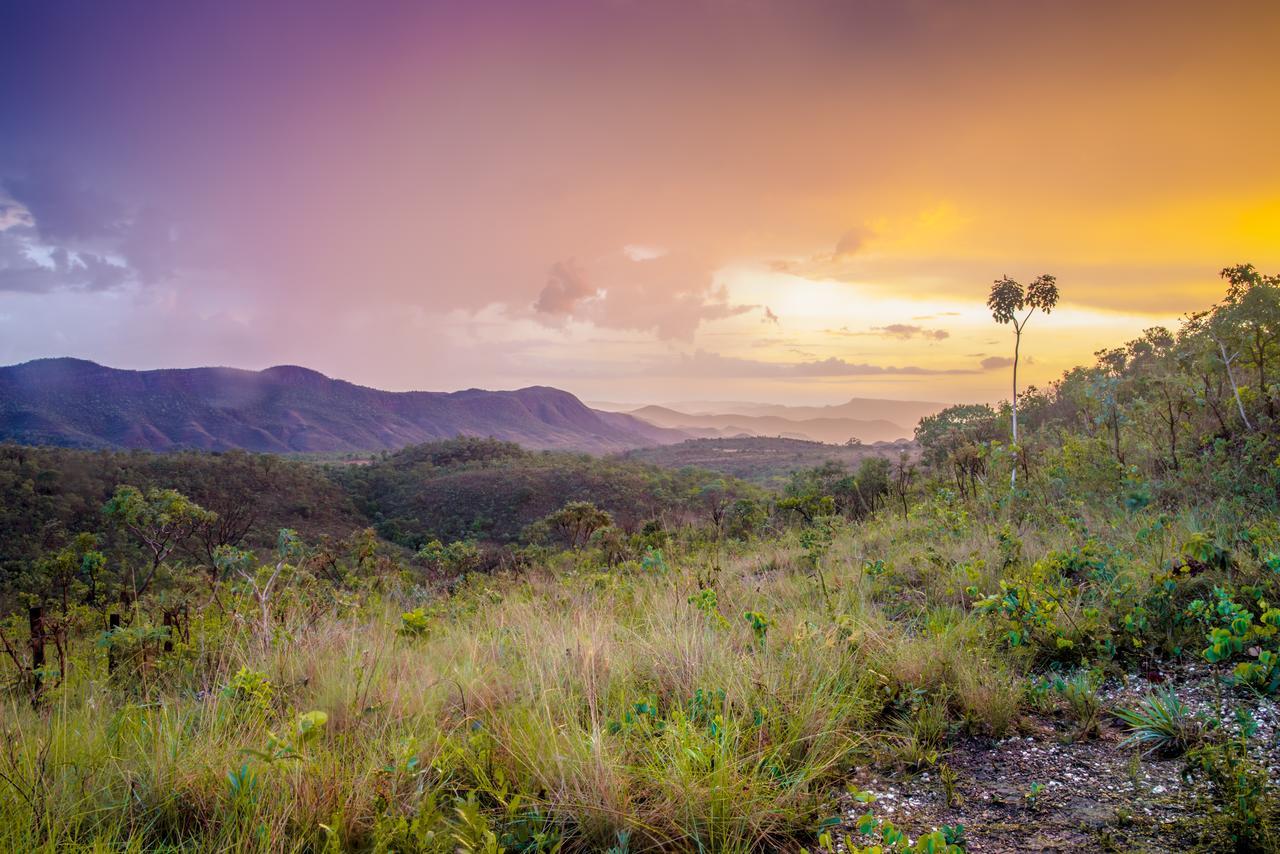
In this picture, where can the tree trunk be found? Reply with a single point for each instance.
(113, 623)
(36, 619)
(1017, 345)
(1235, 388)
(1261, 347)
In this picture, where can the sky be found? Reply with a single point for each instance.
(796, 202)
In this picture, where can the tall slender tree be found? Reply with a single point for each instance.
(1008, 300)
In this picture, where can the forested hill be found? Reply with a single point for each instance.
(76, 403)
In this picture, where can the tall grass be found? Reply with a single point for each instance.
(611, 706)
(565, 706)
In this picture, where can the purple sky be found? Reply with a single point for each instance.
(797, 201)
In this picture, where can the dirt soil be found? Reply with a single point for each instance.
(1096, 796)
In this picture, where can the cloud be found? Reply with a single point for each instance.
(903, 331)
(847, 246)
(64, 210)
(852, 241)
(58, 234)
(669, 296)
(566, 287)
(638, 252)
(992, 363)
(907, 330)
(27, 266)
(14, 215)
(702, 363)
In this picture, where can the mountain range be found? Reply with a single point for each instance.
(77, 403)
(867, 419)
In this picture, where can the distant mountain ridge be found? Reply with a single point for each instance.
(78, 403)
(867, 419)
(832, 430)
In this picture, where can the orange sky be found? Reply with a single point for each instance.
(792, 201)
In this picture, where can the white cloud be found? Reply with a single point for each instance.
(637, 252)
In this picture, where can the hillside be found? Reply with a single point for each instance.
(48, 493)
(76, 403)
(492, 490)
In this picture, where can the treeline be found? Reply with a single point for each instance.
(488, 490)
(1190, 409)
(467, 490)
(49, 495)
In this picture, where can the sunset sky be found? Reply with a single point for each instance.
(789, 201)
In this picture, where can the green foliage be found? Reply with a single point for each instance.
(572, 525)
(1234, 631)
(48, 496)
(1242, 809)
(159, 520)
(831, 489)
(746, 518)
(415, 623)
(768, 461)
(886, 837)
(947, 433)
(1080, 691)
(653, 561)
(250, 689)
(456, 558)
(916, 735)
(1205, 549)
(759, 624)
(1161, 724)
(948, 780)
(486, 490)
(706, 601)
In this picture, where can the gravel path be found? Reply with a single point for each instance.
(1096, 796)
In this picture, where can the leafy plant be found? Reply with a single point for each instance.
(1161, 724)
(1080, 691)
(251, 689)
(242, 784)
(707, 602)
(948, 779)
(306, 728)
(1238, 786)
(759, 626)
(653, 561)
(415, 623)
(1234, 630)
(948, 839)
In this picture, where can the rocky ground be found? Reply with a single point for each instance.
(1092, 794)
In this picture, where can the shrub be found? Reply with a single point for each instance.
(1161, 724)
(1080, 692)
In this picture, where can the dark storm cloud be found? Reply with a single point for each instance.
(57, 233)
